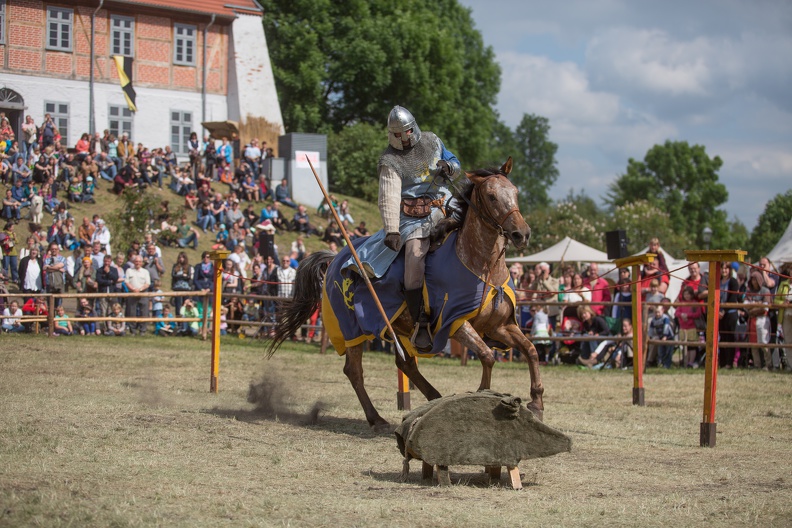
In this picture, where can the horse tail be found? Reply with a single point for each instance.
(292, 313)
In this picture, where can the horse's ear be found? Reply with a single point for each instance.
(507, 167)
(473, 177)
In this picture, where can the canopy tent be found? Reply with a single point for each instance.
(782, 252)
(567, 250)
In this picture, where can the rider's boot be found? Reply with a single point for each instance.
(421, 337)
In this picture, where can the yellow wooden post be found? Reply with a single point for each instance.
(638, 396)
(218, 257)
(715, 258)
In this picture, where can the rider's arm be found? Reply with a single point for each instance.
(389, 198)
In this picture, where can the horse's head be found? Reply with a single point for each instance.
(496, 198)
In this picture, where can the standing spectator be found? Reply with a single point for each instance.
(194, 148)
(286, 276)
(203, 277)
(758, 320)
(687, 316)
(651, 271)
(10, 249)
(728, 316)
(48, 130)
(545, 287)
(696, 281)
(102, 235)
(210, 155)
(283, 195)
(29, 134)
(31, 280)
(137, 280)
(600, 289)
(153, 264)
(253, 155)
(55, 269)
(660, 329)
(85, 277)
(181, 279)
(784, 296)
(106, 281)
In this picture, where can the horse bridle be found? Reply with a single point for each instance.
(489, 218)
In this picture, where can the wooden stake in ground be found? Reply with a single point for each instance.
(218, 257)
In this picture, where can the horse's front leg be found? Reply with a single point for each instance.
(410, 368)
(512, 335)
(353, 368)
(468, 337)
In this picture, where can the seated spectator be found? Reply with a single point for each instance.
(218, 208)
(265, 191)
(87, 327)
(206, 220)
(591, 325)
(89, 187)
(273, 214)
(116, 328)
(651, 271)
(250, 191)
(324, 210)
(190, 310)
(302, 223)
(165, 327)
(333, 234)
(11, 207)
(283, 195)
(12, 318)
(616, 354)
(107, 167)
(191, 200)
(221, 239)
(62, 324)
(360, 231)
(187, 234)
(343, 212)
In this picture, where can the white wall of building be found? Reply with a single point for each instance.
(151, 124)
(251, 84)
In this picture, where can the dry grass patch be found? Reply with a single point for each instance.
(101, 432)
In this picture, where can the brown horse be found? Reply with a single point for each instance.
(492, 221)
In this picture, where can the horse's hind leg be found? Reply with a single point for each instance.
(468, 337)
(410, 369)
(353, 368)
(513, 336)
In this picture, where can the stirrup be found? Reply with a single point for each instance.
(422, 338)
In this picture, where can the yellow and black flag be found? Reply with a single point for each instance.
(124, 65)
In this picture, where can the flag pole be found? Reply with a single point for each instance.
(358, 262)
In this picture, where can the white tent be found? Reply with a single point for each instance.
(782, 252)
(567, 250)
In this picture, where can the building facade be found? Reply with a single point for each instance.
(192, 61)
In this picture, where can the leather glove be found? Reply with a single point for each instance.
(443, 168)
(393, 241)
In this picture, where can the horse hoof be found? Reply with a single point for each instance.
(382, 426)
(537, 412)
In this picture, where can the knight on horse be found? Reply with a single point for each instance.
(415, 172)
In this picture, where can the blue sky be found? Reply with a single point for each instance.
(615, 77)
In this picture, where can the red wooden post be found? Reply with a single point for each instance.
(715, 258)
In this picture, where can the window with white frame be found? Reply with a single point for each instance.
(184, 44)
(181, 128)
(60, 116)
(2, 21)
(122, 33)
(59, 28)
(120, 120)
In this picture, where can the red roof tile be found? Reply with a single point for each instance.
(226, 8)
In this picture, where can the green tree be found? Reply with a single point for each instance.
(340, 63)
(641, 221)
(549, 225)
(772, 224)
(133, 218)
(352, 155)
(535, 166)
(681, 180)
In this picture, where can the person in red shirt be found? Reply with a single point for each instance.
(600, 289)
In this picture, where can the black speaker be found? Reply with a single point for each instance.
(617, 244)
(267, 246)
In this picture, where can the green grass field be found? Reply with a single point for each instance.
(124, 432)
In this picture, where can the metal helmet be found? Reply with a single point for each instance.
(400, 120)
